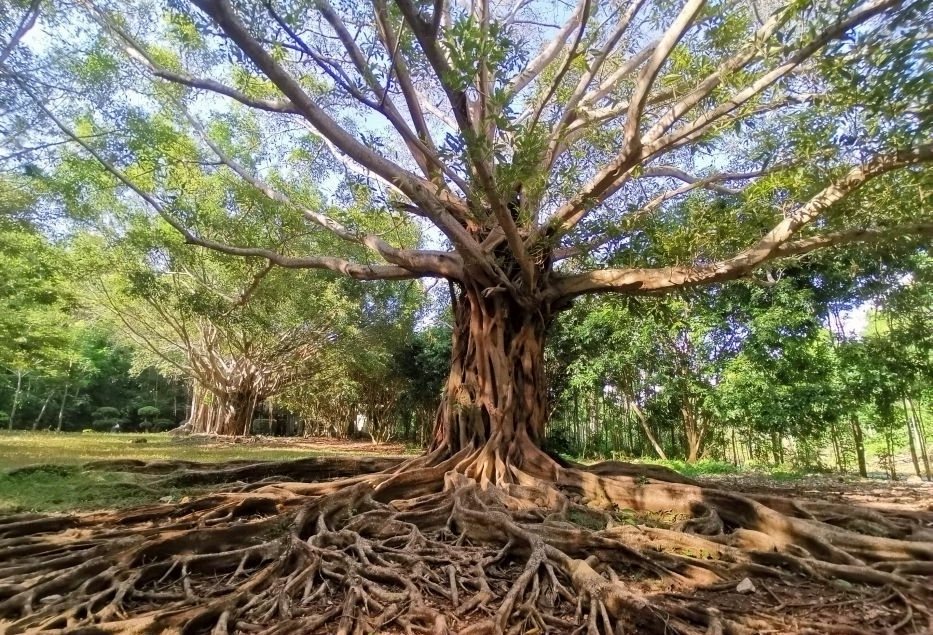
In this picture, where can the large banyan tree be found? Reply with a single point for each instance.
(548, 150)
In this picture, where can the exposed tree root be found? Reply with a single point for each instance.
(312, 468)
(467, 544)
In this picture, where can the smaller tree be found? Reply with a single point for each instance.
(147, 414)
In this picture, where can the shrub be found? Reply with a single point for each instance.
(261, 426)
(148, 412)
(163, 425)
(105, 412)
(106, 425)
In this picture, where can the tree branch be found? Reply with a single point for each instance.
(418, 261)
(772, 245)
(549, 53)
(25, 25)
(435, 202)
(339, 265)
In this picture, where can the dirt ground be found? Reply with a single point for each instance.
(870, 492)
(835, 605)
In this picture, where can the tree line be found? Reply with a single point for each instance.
(140, 333)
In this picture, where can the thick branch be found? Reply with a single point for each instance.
(646, 79)
(339, 265)
(28, 21)
(549, 53)
(434, 202)
(608, 180)
(772, 245)
(417, 261)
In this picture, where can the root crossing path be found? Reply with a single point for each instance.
(469, 544)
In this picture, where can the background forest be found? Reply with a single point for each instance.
(826, 363)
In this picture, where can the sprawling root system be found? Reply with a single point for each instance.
(467, 544)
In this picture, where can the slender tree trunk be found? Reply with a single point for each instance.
(61, 407)
(45, 404)
(495, 399)
(859, 445)
(777, 447)
(910, 438)
(921, 438)
(834, 438)
(889, 442)
(640, 415)
(16, 394)
(735, 453)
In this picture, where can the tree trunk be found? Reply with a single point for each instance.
(229, 414)
(45, 404)
(922, 438)
(61, 408)
(910, 438)
(692, 432)
(16, 393)
(495, 398)
(837, 452)
(643, 420)
(777, 448)
(859, 446)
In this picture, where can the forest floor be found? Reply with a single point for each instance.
(81, 473)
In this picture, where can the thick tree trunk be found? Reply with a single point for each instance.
(693, 432)
(229, 414)
(495, 398)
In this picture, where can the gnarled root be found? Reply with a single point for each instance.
(471, 543)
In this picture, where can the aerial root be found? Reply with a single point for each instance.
(425, 548)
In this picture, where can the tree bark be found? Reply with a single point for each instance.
(495, 398)
(16, 393)
(228, 414)
(45, 404)
(910, 438)
(859, 446)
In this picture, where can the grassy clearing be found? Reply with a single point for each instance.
(18, 449)
(59, 484)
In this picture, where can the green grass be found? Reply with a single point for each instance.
(69, 448)
(703, 467)
(69, 488)
(57, 483)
